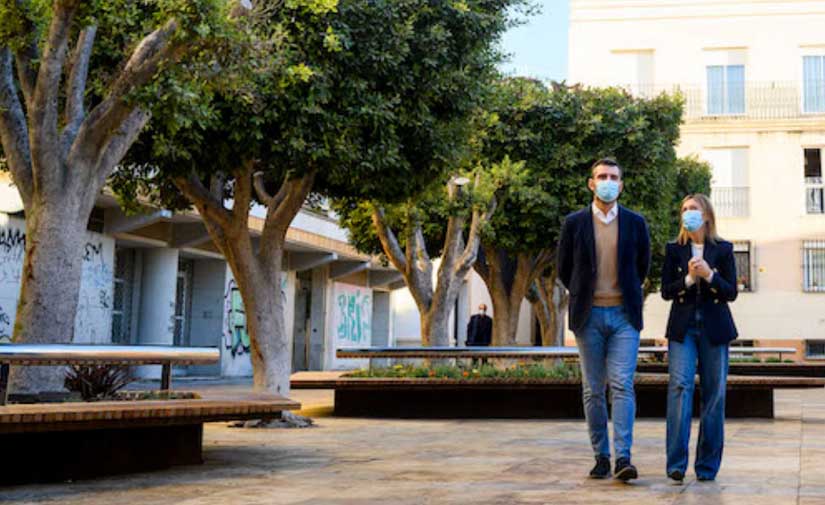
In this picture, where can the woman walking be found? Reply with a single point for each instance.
(699, 276)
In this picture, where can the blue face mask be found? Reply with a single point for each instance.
(692, 220)
(607, 191)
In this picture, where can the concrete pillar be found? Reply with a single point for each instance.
(157, 295)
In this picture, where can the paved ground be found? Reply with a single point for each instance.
(347, 461)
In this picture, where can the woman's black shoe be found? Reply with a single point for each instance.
(602, 468)
(676, 476)
(624, 470)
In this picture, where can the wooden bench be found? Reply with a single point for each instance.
(747, 396)
(75, 440)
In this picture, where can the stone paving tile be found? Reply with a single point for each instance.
(400, 462)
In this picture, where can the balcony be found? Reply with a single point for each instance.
(730, 201)
(762, 100)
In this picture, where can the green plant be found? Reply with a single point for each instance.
(486, 371)
(772, 359)
(97, 382)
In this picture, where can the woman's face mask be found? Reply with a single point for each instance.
(607, 191)
(692, 220)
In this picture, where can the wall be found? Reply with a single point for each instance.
(93, 320)
(351, 309)
(206, 319)
(235, 343)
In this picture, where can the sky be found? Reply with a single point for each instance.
(539, 47)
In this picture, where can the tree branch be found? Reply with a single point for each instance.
(470, 254)
(210, 208)
(243, 194)
(290, 198)
(120, 143)
(389, 242)
(27, 56)
(142, 65)
(13, 129)
(43, 113)
(260, 189)
(75, 110)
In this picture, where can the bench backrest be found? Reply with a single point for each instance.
(77, 354)
(510, 352)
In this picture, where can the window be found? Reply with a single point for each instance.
(726, 89)
(122, 299)
(815, 349)
(729, 184)
(813, 83)
(634, 70)
(742, 255)
(183, 302)
(814, 202)
(813, 266)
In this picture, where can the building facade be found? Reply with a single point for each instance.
(156, 278)
(753, 78)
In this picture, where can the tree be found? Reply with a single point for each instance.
(445, 221)
(62, 135)
(558, 133)
(350, 99)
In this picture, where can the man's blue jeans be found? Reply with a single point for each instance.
(608, 347)
(713, 373)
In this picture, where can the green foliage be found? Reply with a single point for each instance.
(485, 371)
(370, 95)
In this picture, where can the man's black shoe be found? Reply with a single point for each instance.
(676, 476)
(705, 479)
(624, 470)
(602, 468)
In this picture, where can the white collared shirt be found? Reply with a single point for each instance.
(612, 214)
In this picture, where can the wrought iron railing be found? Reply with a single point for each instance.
(730, 201)
(761, 100)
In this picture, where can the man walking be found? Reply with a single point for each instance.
(603, 259)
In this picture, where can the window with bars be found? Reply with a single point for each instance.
(742, 255)
(122, 298)
(813, 266)
(183, 302)
(814, 187)
(815, 349)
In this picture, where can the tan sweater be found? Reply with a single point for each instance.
(607, 292)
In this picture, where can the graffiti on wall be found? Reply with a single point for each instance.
(12, 251)
(95, 298)
(235, 336)
(352, 315)
(5, 326)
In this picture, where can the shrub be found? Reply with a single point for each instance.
(97, 382)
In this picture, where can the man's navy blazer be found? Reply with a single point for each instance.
(576, 263)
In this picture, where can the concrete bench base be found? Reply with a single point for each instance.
(69, 441)
(454, 399)
(73, 455)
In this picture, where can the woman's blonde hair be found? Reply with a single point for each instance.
(707, 212)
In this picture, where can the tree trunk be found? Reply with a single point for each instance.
(508, 279)
(50, 285)
(549, 300)
(266, 326)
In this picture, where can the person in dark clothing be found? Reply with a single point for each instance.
(480, 328)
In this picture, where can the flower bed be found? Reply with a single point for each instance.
(487, 372)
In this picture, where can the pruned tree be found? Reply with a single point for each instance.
(446, 222)
(75, 88)
(348, 99)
